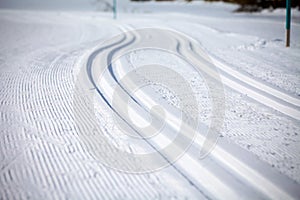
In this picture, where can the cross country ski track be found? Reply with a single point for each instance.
(228, 171)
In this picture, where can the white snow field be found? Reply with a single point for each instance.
(63, 123)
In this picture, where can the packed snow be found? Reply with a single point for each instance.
(43, 52)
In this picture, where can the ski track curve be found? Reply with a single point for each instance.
(231, 155)
(102, 94)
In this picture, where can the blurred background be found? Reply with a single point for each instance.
(106, 5)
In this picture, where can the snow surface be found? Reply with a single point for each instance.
(42, 52)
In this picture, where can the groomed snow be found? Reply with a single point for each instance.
(42, 52)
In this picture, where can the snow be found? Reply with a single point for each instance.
(43, 52)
